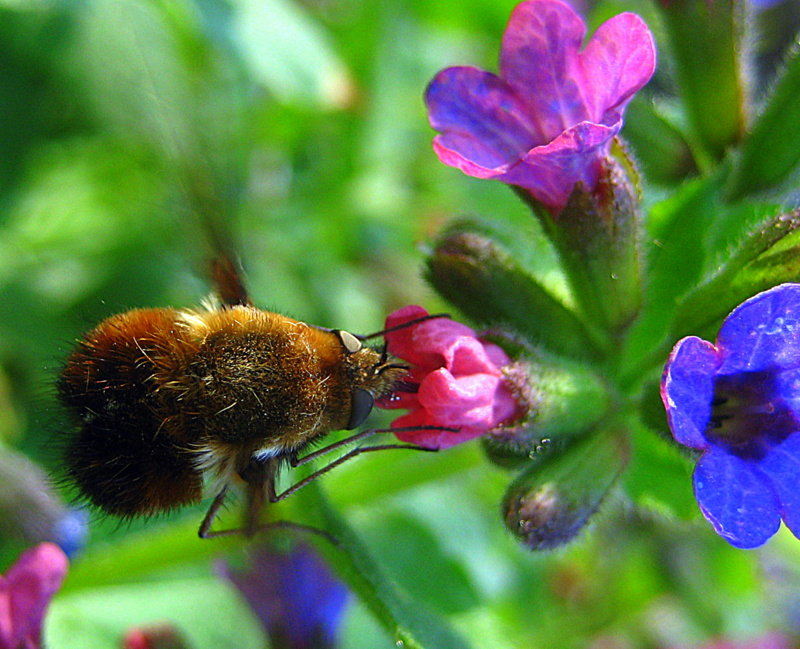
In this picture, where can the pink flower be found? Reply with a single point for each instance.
(772, 640)
(456, 380)
(25, 592)
(156, 636)
(547, 121)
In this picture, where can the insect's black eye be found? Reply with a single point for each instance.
(349, 341)
(360, 408)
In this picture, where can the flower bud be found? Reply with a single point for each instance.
(565, 400)
(550, 502)
(29, 509)
(487, 283)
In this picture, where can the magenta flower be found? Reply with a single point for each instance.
(25, 592)
(738, 403)
(547, 121)
(456, 380)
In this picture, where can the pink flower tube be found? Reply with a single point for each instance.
(456, 380)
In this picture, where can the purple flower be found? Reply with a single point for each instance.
(547, 121)
(25, 592)
(299, 602)
(738, 403)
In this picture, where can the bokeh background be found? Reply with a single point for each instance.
(137, 134)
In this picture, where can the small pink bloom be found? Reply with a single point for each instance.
(771, 640)
(157, 636)
(25, 592)
(456, 380)
(547, 121)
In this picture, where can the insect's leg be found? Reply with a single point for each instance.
(340, 460)
(205, 531)
(294, 461)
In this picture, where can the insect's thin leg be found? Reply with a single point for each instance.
(228, 281)
(295, 461)
(339, 460)
(205, 526)
(260, 476)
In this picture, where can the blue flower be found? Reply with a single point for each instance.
(738, 403)
(294, 595)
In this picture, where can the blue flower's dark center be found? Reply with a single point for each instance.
(749, 409)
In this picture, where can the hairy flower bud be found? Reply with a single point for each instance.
(551, 501)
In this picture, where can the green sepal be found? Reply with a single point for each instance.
(550, 503)
(707, 44)
(487, 284)
(563, 400)
(771, 152)
(768, 257)
(597, 236)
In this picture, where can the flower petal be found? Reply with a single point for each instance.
(782, 466)
(550, 172)
(459, 401)
(736, 498)
(465, 356)
(687, 389)
(618, 61)
(32, 581)
(763, 332)
(483, 125)
(539, 59)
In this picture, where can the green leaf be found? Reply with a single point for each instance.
(770, 256)
(659, 476)
(662, 150)
(676, 228)
(206, 611)
(411, 626)
(443, 586)
(707, 42)
(771, 152)
(142, 554)
(289, 53)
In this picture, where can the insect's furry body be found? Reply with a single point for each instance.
(165, 399)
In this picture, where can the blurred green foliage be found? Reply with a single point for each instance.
(136, 133)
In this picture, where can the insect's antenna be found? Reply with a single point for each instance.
(410, 323)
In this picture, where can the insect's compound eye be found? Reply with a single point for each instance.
(360, 408)
(349, 341)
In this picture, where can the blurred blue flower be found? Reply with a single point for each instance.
(298, 600)
(738, 402)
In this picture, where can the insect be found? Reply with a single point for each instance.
(164, 400)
